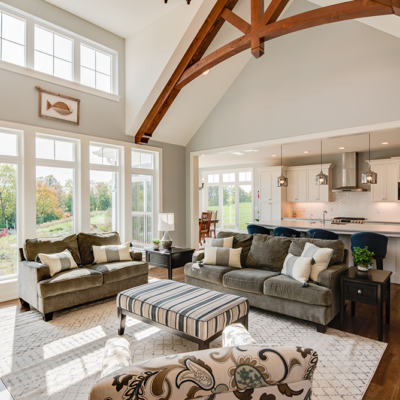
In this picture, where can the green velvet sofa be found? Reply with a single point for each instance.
(259, 279)
(79, 285)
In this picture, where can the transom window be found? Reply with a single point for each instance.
(103, 155)
(51, 149)
(142, 160)
(12, 34)
(95, 68)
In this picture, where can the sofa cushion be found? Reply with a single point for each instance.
(87, 240)
(70, 281)
(287, 288)
(32, 247)
(208, 273)
(268, 252)
(117, 271)
(298, 244)
(248, 279)
(240, 240)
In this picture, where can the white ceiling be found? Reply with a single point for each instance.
(264, 154)
(122, 17)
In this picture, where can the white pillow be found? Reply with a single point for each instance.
(222, 256)
(298, 268)
(322, 258)
(58, 262)
(111, 253)
(223, 242)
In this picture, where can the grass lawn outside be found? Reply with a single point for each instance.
(229, 216)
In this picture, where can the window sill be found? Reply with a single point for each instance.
(9, 289)
(58, 81)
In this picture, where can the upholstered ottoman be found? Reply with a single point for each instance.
(195, 313)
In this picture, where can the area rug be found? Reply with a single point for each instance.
(61, 359)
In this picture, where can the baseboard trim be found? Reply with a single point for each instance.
(8, 290)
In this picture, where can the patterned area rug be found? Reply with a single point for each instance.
(61, 359)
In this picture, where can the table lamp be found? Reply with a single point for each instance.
(166, 224)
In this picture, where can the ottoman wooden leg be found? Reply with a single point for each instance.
(122, 319)
(246, 322)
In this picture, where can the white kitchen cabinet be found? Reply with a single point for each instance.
(269, 190)
(387, 187)
(270, 211)
(297, 185)
(317, 192)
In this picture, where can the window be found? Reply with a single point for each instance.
(231, 195)
(53, 53)
(50, 149)
(95, 68)
(8, 144)
(142, 160)
(12, 34)
(102, 155)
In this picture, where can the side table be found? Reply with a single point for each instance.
(170, 259)
(372, 287)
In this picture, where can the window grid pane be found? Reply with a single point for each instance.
(9, 144)
(102, 155)
(50, 149)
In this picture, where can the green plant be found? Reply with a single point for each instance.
(363, 257)
(258, 214)
(156, 241)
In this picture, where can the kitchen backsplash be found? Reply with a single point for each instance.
(350, 204)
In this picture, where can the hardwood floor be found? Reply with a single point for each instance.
(385, 384)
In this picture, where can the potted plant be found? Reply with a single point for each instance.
(156, 244)
(363, 258)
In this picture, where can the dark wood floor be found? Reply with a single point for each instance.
(385, 384)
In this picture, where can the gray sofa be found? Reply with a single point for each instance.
(75, 286)
(259, 280)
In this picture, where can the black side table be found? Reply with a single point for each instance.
(171, 258)
(372, 287)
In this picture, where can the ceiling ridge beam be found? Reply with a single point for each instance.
(236, 21)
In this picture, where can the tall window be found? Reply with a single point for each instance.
(230, 193)
(8, 204)
(12, 35)
(95, 68)
(104, 190)
(55, 183)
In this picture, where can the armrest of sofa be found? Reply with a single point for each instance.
(198, 256)
(136, 256)
(329, 277)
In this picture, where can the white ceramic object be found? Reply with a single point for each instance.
(362, 268)
(156, 246)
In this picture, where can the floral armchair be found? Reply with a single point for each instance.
(243, 372)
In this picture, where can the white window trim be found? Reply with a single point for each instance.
(75, 84)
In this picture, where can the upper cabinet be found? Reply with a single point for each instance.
(387, 187)
(269, 190)
(297, 185)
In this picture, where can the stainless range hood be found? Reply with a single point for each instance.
(349, 174)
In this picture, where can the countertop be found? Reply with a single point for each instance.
(366, 221)
(348, 229)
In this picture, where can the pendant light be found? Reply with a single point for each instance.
(321, 178)
(369, 177)
(282, 181)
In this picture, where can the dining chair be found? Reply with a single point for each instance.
(213, 227)
(204, 227)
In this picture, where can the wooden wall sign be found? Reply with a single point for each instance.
(58, 107)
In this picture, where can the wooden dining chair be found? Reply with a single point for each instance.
(204, 227)
(213, 227)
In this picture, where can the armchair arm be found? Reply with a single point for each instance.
(198, 256)
(329, 277)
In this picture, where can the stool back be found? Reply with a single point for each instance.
(322, 234)
(286, 232)
(375, 242)
(252, 229)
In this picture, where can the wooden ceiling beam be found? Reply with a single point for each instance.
(273, 12)
(257, 45)
(236, 21)
(395, 4)
(196, 50)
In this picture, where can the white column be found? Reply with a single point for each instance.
(194, 201)
(84, 187)
(126, 193)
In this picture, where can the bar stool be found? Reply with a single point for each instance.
(375, 243)
(322, 234)
(286, 232)
(252, 229)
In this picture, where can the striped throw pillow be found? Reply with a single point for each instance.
(58, 262)
(222, 256)
(113, 253)
(321, 256)
(298, 268)
(223, 242)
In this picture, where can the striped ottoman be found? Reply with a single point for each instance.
(197, 314)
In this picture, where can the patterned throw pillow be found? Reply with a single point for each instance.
(113, 253)
(322, 258)
(223, 242)
(222, 256)
(298, 268)
(58, 262)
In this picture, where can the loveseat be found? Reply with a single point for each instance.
(260, 280)
(89, 282)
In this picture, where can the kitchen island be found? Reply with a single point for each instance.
(390, 263)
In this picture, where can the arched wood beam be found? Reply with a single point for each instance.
(325, 15)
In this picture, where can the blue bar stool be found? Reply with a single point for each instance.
(252, 229)
(286, 232)
(375, 243)
(322, 234)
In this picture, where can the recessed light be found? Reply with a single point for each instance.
(385, 143)
(342, 148)
(273, 155)
(206, 72)
(306, 152)
(202, 155)
(238, 153)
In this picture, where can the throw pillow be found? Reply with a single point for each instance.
(222, 256)
(87, 240)
(58, 262)
(298, 268)
(322, 258)
(113, 253)
(223, 242)
(240, 240)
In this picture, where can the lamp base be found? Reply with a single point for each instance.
(166, 241)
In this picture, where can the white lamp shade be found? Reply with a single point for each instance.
(166, 222)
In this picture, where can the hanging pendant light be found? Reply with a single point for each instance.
(321, 178)
(369, 177)
(282, 181)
